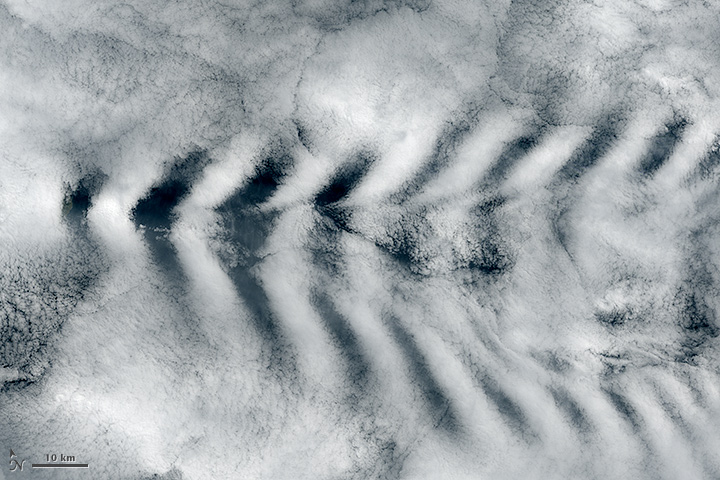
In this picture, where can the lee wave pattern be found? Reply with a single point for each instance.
(521, 289)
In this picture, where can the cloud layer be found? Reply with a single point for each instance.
(360, 239)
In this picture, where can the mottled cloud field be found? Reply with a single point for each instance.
(358, 240)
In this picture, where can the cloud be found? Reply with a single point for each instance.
(360, 239)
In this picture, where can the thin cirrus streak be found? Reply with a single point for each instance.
(408, 240)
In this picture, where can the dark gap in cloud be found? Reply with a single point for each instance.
(36, 301)
(698, 319)
(155, 212)
(25, 384)
(571, 411)
(403, 253)
(707, 167)
(303, 135)
(560, 227)
(439, 405)
(513, 152)
(412, 241)
(77, 202)
(613, 363)
(324, 245)
(154, 216)
(453, 134)
(246, 228)
(26, 335)
(246, 225)
(698, 322)
(582, 160)
(624, 408)
(345, 180)
(38, 294)
(269, 174)
(604, 136)
(676, 411)
(661, 147)
(674, 414)
(339, 327)
(492, 255)
(510, 411)
(614, 318)
(264, 319)
(549, 359)
(78, 205)
(550, 94)
(407, 239)
(491, 260)
(339, 216)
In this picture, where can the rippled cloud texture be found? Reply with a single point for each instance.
(356, 240)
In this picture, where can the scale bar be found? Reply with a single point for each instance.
(59, 465)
